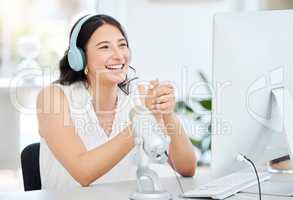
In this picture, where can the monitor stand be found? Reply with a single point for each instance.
(282, 165)
(284, 102)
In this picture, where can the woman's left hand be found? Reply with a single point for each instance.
(163, 99)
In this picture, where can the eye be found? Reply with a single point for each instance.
(123, 45)
(104, 47)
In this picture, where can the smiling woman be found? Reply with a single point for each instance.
(91, 69)
(86, 134)
(98, 52)
(100, 55)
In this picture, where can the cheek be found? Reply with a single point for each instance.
(95, 61)
(127, 56)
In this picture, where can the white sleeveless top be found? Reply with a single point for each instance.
(83, 116)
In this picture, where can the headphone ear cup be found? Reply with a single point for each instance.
(82, 55)
(76, 58)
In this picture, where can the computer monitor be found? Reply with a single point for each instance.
(252, 55)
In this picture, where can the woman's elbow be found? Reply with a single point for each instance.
(188, 172)
(190, 169)
(84, 182)
(83, 178)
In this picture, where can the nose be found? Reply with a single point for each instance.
(118, 54)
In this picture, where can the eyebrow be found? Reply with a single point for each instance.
(122, 39)
(107, 42)
(102, 43)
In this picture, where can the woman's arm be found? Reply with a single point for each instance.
(84, 166)
(160, 99)
(181, 154)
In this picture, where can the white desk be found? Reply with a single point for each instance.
(121, 190)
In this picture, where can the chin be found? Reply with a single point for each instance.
(117, 79)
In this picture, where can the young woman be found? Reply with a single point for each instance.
(86, 135)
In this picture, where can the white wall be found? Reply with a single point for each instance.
(168, 36)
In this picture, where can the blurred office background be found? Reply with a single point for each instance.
(170, 40)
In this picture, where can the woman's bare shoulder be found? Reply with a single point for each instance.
(51, 99)
(52, 109)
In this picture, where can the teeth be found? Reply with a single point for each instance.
(115, 66)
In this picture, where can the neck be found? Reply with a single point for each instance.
(104, 96)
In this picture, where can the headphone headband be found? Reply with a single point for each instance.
(76, 29)
(76, 58)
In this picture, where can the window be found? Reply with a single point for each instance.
(34, 33)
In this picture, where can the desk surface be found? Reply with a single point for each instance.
(122, 190)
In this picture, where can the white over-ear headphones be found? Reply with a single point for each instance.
(76, 56)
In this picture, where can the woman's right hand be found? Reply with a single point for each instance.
(150, 97)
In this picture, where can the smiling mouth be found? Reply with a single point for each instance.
(115, 67)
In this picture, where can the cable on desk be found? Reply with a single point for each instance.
(241, 157)
(177, 178)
